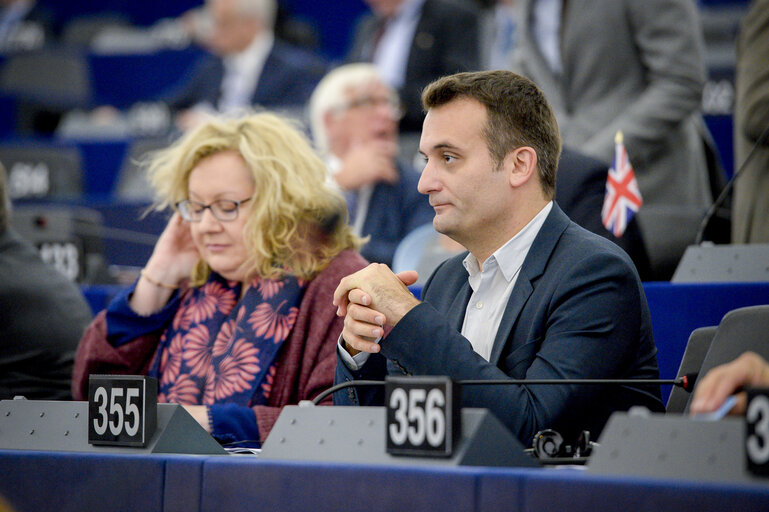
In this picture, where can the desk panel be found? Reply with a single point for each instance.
(37, 481)
(233, 484)
(576, 491)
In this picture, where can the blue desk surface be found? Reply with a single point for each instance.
(69, 481)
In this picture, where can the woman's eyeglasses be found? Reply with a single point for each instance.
(223, 209)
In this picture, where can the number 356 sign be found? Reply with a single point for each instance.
(422, 416)
(122, 410)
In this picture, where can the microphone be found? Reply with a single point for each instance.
(727, 188)
(686, 382)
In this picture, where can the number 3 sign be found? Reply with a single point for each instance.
(122, 410)
(422, 416)
(757, 436)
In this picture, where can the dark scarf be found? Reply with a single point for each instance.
(221, 350)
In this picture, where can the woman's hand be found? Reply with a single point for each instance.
(175, 254)
(172, 261)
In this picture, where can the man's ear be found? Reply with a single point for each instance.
(521, 165)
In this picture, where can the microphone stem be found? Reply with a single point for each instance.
(527, 382)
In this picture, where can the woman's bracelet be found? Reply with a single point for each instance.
(143, 273)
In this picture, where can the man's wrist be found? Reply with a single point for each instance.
(350, 350)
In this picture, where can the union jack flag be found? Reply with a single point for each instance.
(623, 199)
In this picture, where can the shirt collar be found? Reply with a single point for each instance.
(408, 9)
(510, 256)
(254, 53)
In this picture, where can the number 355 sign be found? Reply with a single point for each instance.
(122, 410)
(422, 416)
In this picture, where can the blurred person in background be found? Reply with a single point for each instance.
(749, 369)
(354, 116)
(498, 26)
(248, 66)
(750, 221)
(635, 67)
(24, 25)
(42, 316)
(413, 42)
(232, 312)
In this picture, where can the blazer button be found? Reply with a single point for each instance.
(351, 394)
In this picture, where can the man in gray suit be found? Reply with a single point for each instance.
(638, 67)
(750, 221)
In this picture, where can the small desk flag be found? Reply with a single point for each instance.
(623, 199)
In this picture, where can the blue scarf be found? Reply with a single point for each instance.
(221, 350)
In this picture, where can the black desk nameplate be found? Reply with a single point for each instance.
(122, 410)
(422, 416)
(757, 431)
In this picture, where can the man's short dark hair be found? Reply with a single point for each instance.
(518, 115)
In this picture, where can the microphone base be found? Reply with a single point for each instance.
(357, 435)
(672, 446)
(723, 263)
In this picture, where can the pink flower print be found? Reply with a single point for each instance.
(270, 323)
(181, 321)
(171, 361)
(268, 381)
(269, 287)
(212, 297)
(183, 391)
(236, 371)
(208, 392)
(225, 338)
(197, 352)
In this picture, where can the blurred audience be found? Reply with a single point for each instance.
(750, 220)
(749, 369)
(233, 311)
(498, 26)
(413, 42)
(24, 25)
(43, 316)
(249, 66)
(354, 115)
(638, 67)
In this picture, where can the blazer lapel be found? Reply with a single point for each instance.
(533, 267)
(458, 306)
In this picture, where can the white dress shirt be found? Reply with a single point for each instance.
(362, 195)
(392, 51)
(546, 28)
(493, 285)
(241, 74)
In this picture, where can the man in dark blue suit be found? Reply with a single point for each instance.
(248, 66)
(354, 115)
(536, 297)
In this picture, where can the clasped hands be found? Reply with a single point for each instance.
(370, 300)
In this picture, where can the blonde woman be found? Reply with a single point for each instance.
(233, 311)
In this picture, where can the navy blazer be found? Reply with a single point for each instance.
(577, 310)
(394, 210)
(287, 79)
